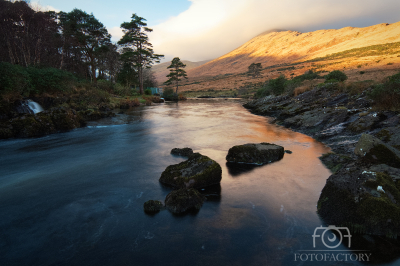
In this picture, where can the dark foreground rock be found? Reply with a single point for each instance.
(259, 154)
(363, 193)
(373, 150)
(153, 206)
(186, 152)
(182, 200)
(35, 125)
(18, 121)
(196, 172)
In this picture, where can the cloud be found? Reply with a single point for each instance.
(211, 28)
(35, 5)
(116, 33)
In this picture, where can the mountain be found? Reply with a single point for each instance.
(161, 71)
(280, 47)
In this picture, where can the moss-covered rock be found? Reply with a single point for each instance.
(373, 150)
(153, 206)
(335, 162)
(250, 153)
(198, 171)
(186, 152)
(390, 135)
(30, 125)
(351, 198)
(364, 123)
(182, 200)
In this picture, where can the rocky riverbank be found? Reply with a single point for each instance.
(363, 192)
(60, 113)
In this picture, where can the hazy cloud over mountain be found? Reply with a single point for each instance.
(211, 28)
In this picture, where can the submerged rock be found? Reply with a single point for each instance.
(261, 153)
(182, 200)
(153, 206)
(186, 152)
(373, 150)
(196, 172)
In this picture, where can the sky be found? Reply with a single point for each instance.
(199, 30)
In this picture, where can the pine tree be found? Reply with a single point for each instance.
(137, 50)
(176, 73)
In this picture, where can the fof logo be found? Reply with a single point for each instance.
(331, 237)
(331, 240)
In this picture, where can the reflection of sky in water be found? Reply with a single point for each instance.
(77, 197)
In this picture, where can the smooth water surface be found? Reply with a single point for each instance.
(77, 198)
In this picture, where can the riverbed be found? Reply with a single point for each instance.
(76, 198)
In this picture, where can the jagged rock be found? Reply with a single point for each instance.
(391, 136)
(186, 152)
(383, 168)
(153, 206)
(351, 198)
(288, 151)
(261, 153)
(196, 172)
(373, 150)
(335, 162)
(182, 200)
(364, 123)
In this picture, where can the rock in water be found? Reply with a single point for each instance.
(153, 206)
(196, 172)
(373, 150)
(255, 153)
(186, 152)
(181, 200)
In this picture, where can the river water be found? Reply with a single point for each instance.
(76, 198)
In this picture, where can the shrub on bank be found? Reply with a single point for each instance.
(34, 80)
(13, 78)
(282, 85)
(335, 76)
(387, 95)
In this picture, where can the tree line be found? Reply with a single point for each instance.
(76, 42)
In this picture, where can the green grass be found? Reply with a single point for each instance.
(373, 50)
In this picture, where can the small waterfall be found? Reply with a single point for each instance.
(29, 107)
(35, 107)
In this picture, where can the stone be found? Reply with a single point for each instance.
(351, 197)
(390, 135)
(182, 200)
(364, 123)
(196, 172)
(185, 152)
(375, 151)
(153, 206)
(251, 153)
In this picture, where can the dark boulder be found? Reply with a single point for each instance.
(182, 200)
(250, 153)
(198, 171)
(186, 152)
(153, 206)
(366, 122)
(365, 201)
(390, 135)
(373, 150)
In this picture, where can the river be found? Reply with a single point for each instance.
(76, 198)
